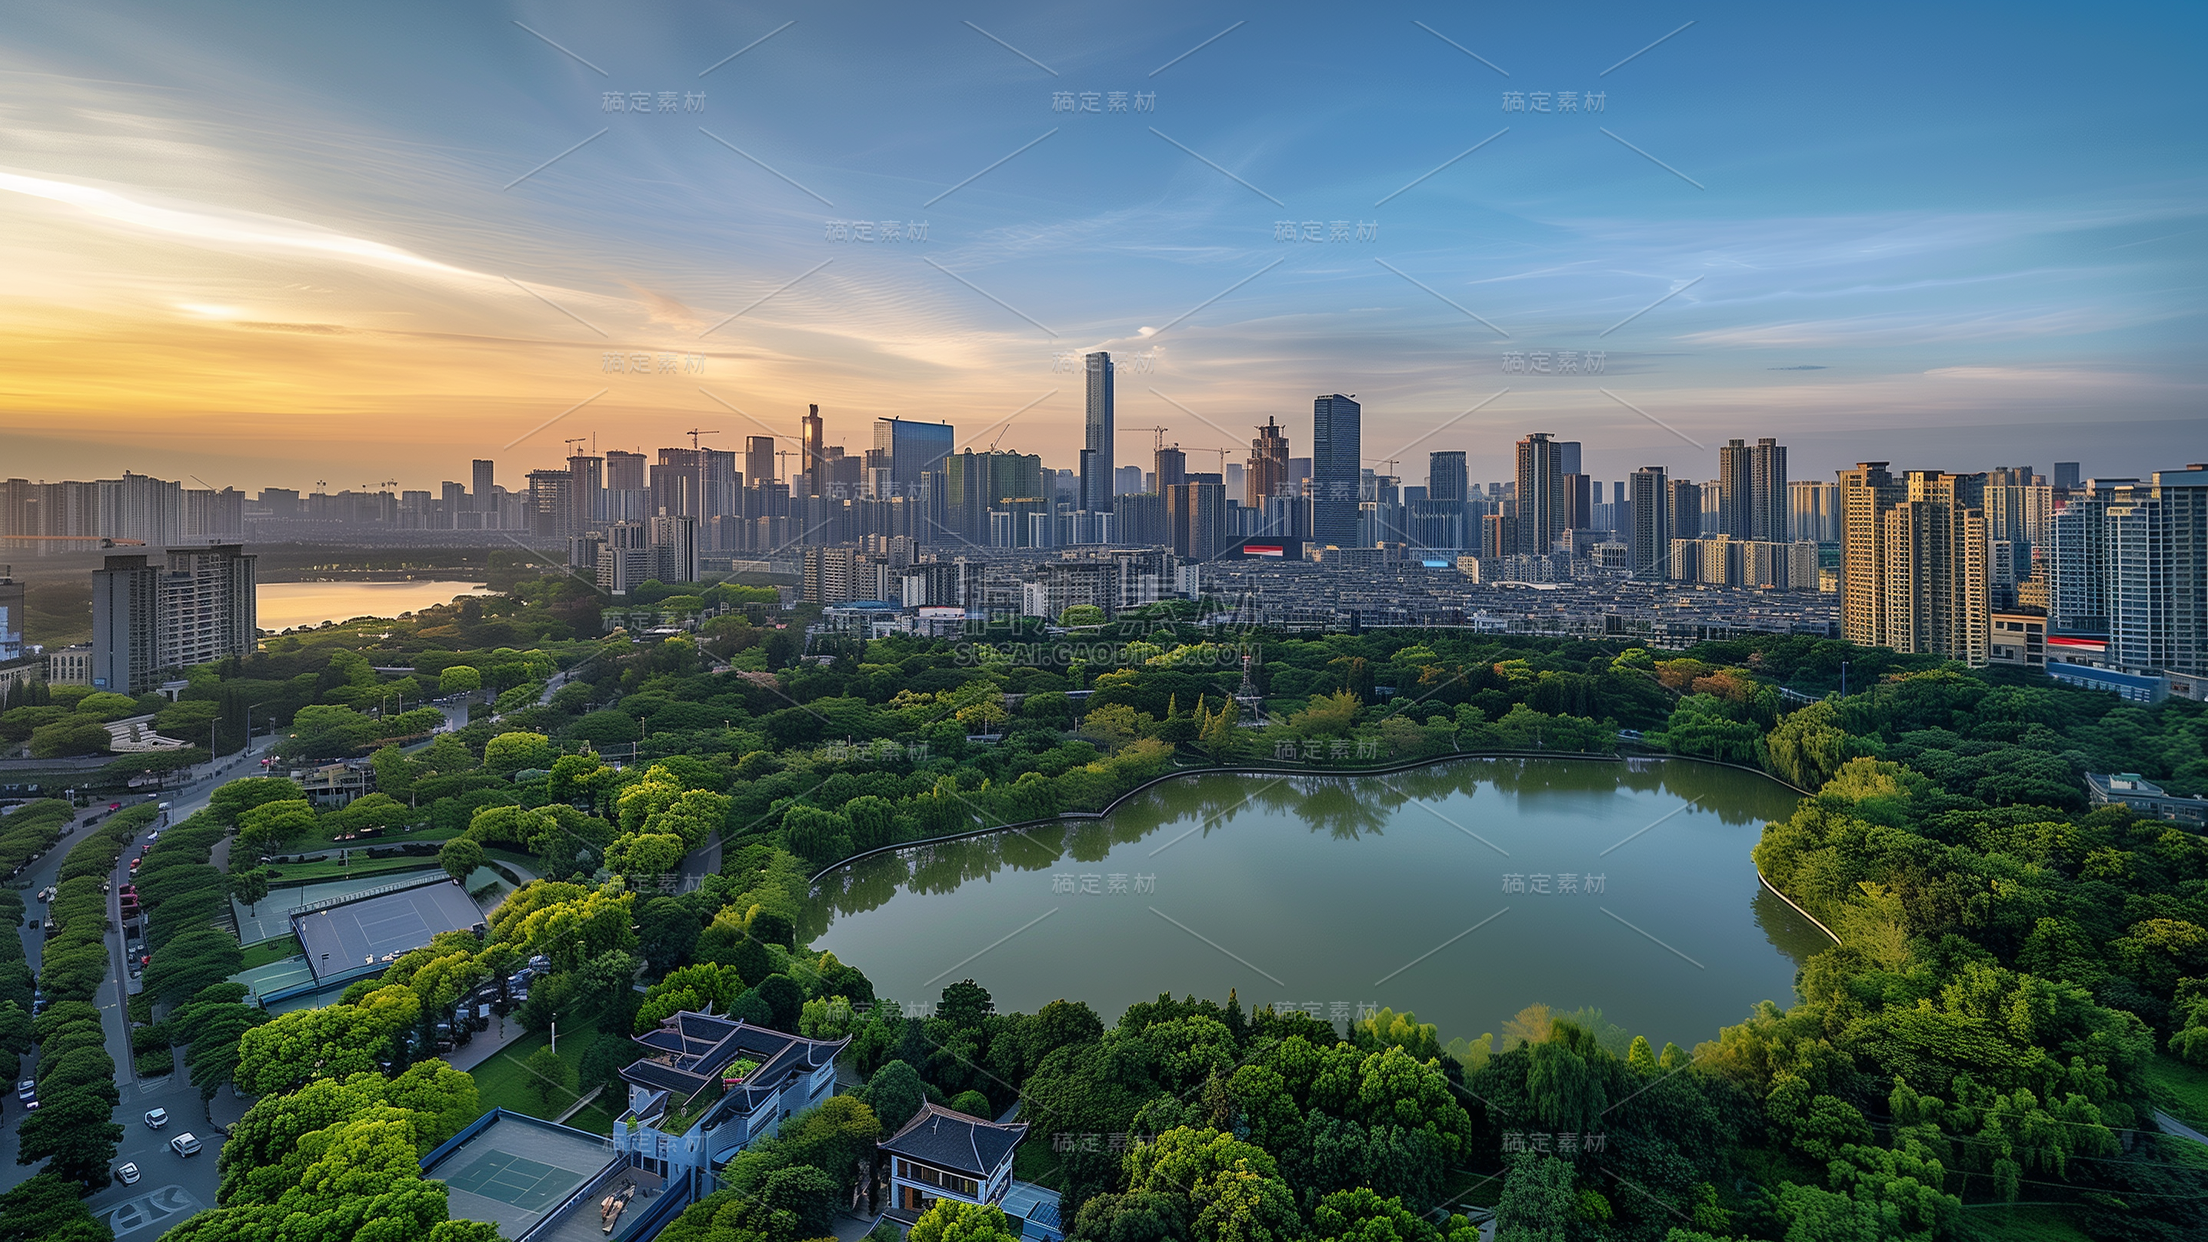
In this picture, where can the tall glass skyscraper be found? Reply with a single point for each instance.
(1096, 446)
(1337, 447)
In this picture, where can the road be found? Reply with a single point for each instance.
(172, 1187)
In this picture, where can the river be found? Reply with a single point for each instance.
(1463, 892)
(285, 605)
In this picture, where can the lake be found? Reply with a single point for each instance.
(1462, 892)
(286, 605)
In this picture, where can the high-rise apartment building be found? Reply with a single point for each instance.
(1769, 519)
(2157, 571)
(1198, 514)
(486, 501)
(1447, 478)
(2066, 475)
(1096, 436)
(1815, 507)
(1267, 474)
(150, 619)
(2077, 563)
(551, 504)
(586, 491)
(1648, 552)
(1541, 510)
(1170, 466)
(1916, 571)
(1337, 447)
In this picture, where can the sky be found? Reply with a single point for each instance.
(290, 245)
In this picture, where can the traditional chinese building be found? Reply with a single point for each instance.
(941, 1154)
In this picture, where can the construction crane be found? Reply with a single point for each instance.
(785, 455)
(1222, 458)
(1390, 462)
(1157, 436)
(571, 443)
(694, 433)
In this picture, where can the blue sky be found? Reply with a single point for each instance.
(251, 239)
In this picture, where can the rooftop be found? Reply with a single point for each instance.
(955, 1141)
(515, 1171)
(689, 1051)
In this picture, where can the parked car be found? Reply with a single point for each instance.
(26, 1089)
(184, 1145)
(127, 1174)
(156, 1118)
(30, 1104)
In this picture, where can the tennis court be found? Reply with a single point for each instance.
(363, 935)
(516, 1181)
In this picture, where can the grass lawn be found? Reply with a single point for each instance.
(269, 951)
(333, 869)
(2180, 1088)
(2036, 1222)
(504, 1081)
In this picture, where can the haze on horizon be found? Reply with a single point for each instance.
(262, 246)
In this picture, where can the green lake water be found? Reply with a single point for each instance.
(1462, 892)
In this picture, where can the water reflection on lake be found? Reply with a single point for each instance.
(1463, 892)
(284, 605)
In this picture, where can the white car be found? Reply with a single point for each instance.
(127, 1174)
(26, 1089)
(157, 1118)
(184, 1145)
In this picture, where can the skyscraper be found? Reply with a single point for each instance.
(1814, 511)
(1171, 466)
(1735, 484)
(1567, 456)
(1096, 443)
(1768, 516)
(2066, 475)
(552, 503)
(1649, 549)
(1267, 475)
(1446, 478)
(2077, 564)
(585, 492)
(812, 442)
(484, 500)
(758, 460)
(915, 450)
(1337, 447)
(1540, 494)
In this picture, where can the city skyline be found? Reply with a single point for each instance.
(233, 267)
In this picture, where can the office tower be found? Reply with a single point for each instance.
(1735, 488)
(1579, 503)
(914, 451)
(1768, 517)
(758, 460)
(1237, 479)
(2066, 476)
(812, 448)
(1567, 456)
(1171, 468)
(484, 501)
(1198, 514)
(1649, 548)
(1096, 441)
(1446, 478)
(2157, 573)
(586, 492)
(1126, 480)
(551, 504)
(1267, 475)
(150, 619)
(1337, 447)
(1540, 494)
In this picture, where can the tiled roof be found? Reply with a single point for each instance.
(688, 1051)
(951, 1140)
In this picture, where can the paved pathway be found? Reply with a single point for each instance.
(2171, 1125)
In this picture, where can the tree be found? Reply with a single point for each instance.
(551, 1078)
(951, 1221)
(460, 857)
(1538, 1203)
(271, 824)
(48, 1208)
(249, 887)
(785, 1000)
(895, 1094)
(509, 753)
(459, 679)
(75, 1133)
(1233, 1189)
